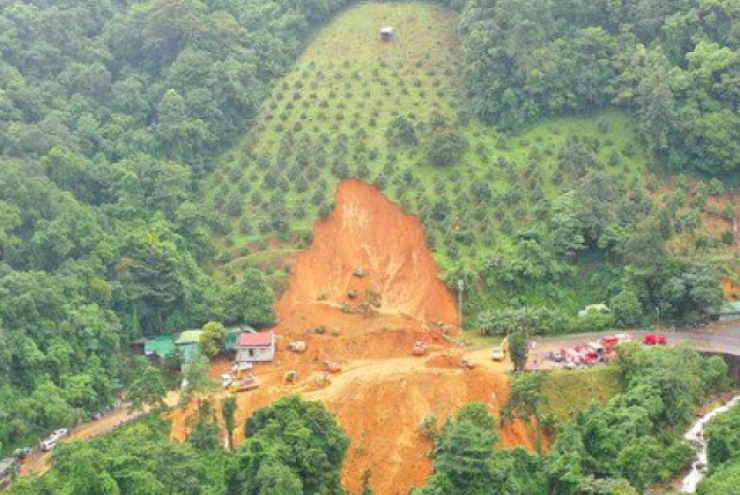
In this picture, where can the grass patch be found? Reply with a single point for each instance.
(568, 391)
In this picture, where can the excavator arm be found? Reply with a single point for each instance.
(500, 351)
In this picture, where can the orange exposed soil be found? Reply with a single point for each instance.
(367, 231)
(372, 317)
(730, 289)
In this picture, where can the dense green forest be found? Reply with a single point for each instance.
(296, 447)
(112, 112)
(673, 65)
(723, 453)
(117, 119)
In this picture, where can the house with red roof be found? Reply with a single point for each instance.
(255, 347)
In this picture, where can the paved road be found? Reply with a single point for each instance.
(724, 338)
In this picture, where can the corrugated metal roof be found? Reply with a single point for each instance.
(231, 337)
(188, 337)
(162, 345)
(261, 339)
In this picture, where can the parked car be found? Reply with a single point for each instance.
(51, 441)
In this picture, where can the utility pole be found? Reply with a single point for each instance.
(460, 288)
(657, 312)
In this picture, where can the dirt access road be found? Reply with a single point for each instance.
(380, 403)
(39, 462)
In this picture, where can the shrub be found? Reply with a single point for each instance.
(428, 426)
(602, 125)
(446, 148)
(245, 226)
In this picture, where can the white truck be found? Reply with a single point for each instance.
(51, 441)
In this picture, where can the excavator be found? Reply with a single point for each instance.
(421, 346)
(329, 364)
(499, 352)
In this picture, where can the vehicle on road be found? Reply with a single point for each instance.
(654, 339)
(613, 340)
(51, 441)
(244, 384)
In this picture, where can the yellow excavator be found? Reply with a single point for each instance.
(499, 352)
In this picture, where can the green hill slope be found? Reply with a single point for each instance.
(394, 114)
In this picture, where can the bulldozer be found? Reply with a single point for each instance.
(242, 383)
(500, 351)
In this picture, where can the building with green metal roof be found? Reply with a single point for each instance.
(726, 311)
(159, 347)
(188, 343)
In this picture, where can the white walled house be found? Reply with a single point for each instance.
(255, 347)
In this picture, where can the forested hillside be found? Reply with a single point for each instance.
(674, 65)
(140, 157)
(110, 114)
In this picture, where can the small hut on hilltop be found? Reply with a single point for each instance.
(387, 33)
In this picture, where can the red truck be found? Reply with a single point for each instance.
(654, 339)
